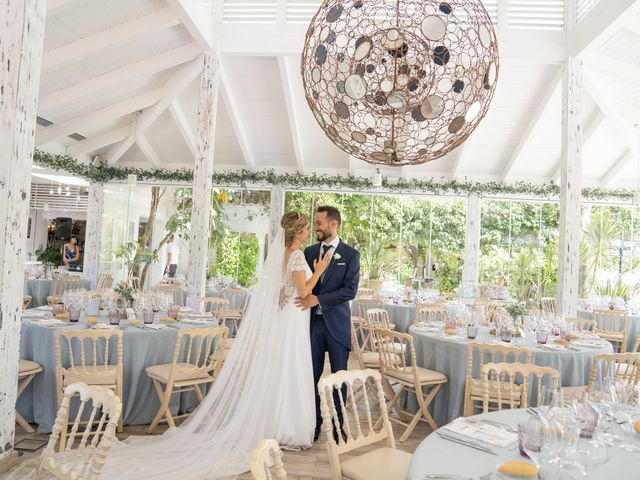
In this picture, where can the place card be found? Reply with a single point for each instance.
(482, 432)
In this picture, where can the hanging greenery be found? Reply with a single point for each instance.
(298, 180)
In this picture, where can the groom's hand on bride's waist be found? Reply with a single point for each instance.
(308, 302)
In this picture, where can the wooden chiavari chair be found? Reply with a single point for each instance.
(611, 325)
(412, 378)
(360, 429)
(86, 458)
(89, 356)
(477, 355)
(508, 384)
(197, 359)
(265, 455)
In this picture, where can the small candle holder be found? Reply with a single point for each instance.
(74, 314)
(472, 331)
(147, 316)
(114, 317)
(542, 336)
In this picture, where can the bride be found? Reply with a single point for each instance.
(265, 388)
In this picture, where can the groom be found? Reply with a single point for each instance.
(329, 301)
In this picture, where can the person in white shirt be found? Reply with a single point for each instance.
(173, 253)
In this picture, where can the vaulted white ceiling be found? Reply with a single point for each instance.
(120, 79)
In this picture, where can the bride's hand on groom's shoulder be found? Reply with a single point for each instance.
(319, 266)
(307, 302)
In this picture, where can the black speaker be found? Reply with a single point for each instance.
(63, 228)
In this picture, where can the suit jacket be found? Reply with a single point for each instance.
(339, 287)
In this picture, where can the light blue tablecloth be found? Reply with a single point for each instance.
(633, 327)
(439, 352)
(438, 456)
(402, 315)
(141, 348)
(40, 289)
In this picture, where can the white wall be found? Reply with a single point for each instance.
(39, 225)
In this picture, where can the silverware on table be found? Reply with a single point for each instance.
(451, 476)
(468, 443)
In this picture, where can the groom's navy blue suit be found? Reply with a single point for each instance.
(331, 329)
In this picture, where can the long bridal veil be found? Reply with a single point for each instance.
(216, 440)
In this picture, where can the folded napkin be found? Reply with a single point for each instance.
(104, 326)
(47, 322)
(518, 469)
(197, 321)
(154, 326)
(553, 347)
(482, 432)
(35, 314)
(199, 315)
(48, 308)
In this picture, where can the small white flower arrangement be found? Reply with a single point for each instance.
(337, 256)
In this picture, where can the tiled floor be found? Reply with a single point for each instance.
(308, 464)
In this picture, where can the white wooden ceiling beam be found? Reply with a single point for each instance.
(599, 91)
(197, 18)
(235, 117)
(601, 22)
(524, 46)
(89, 122)
(100, 141)
(288, 92)
(176, 84)
(147, 150)
(54, 7)
(180, 119)
(94, 44)
(615, 170)
(550, 96)
(612, 67)
(149, 66)
(589, 131)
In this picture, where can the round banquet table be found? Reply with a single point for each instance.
(435, 454)
(403, 314)
(633, 326)
(447, 354)
(142, 347)
(40, 289)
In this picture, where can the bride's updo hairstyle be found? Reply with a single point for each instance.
(293, 223)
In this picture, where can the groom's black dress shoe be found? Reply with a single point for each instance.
(316, 434)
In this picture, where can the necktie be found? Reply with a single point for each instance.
(325, 249)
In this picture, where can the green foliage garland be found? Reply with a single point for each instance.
(93, 174)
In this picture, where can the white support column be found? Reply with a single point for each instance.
(21, 40)
(199, 234)
(277, 210)
(570, 188)
(92, 241)
(471, 269)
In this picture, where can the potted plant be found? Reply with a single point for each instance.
(377, 264)
(50, 257)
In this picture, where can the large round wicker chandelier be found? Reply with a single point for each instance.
(399, 82)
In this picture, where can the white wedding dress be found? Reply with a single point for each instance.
(265, 389)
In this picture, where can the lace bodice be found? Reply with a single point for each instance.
(297, 263)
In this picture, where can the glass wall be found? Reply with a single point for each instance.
(609, 251)
(519, 247)
(400, 237)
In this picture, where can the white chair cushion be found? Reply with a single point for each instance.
(26, 367)
(102, 375)
(183, 372)
(383, 464)
(425, 376)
